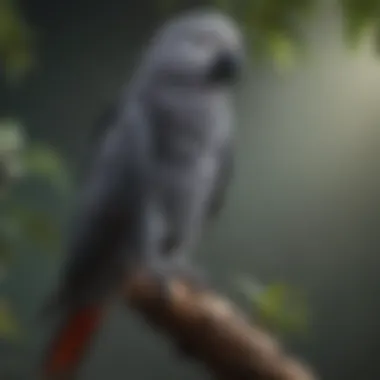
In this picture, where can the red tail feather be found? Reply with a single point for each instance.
(71, 341)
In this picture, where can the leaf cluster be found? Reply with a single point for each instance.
(272, 27)
(21, 222)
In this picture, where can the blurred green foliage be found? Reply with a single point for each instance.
(10, 328)
(272, 27)
(278, 307)
(17, 42)
(23, 221)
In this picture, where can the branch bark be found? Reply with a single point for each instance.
(210, 329)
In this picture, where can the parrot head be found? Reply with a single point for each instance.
(197, 47)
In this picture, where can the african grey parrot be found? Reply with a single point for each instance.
(163, 169)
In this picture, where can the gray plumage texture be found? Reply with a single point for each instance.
(166, 159)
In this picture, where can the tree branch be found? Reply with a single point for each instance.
(210, 329)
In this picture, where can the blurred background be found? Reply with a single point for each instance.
(304, 204)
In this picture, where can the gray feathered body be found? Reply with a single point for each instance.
(192, 134)
(165, 161)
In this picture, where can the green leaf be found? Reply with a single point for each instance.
(283, 51)
(12, 138)
(16, 41)
(283, 308)
(42, 231)
(356, 28)
(12, 142)
(45, 162)
(10, 329)
(37, 228)
(278, 306)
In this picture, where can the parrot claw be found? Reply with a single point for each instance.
(183, 270)
(166, 271)
(162, 275)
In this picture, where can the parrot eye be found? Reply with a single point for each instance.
(225, 68)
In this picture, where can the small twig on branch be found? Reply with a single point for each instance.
(211, 330)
